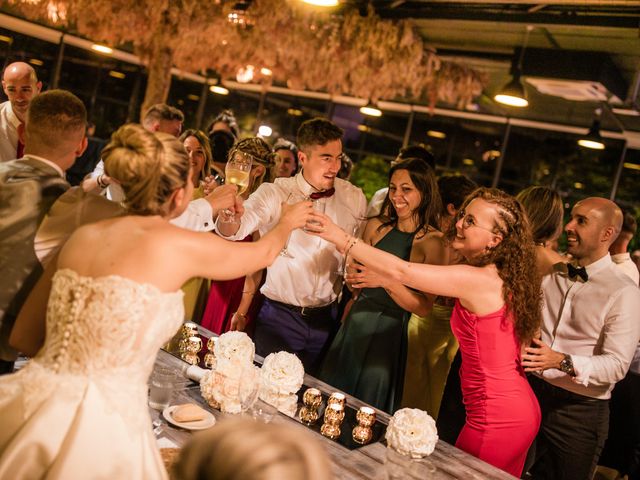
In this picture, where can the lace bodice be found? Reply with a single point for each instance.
(107, 326)
(82, 401)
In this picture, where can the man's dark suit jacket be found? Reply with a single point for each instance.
(28, 188)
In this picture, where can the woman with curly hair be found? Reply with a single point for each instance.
(497, 311)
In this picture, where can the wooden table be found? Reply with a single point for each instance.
(446, 462)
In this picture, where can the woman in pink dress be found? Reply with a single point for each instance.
(496, 312)
(232, 303)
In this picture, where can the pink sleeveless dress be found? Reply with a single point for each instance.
(503, 415)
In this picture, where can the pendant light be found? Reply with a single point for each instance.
(593, 139)
(371, 110)
(513, 94)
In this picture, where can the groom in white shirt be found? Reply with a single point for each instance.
(299, 311)
(590, 331)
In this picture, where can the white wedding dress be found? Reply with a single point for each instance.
(79, 410)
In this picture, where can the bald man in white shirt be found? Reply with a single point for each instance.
(299, 312)
(20, 84)
(589, 333)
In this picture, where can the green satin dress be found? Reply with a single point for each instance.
(368, 355)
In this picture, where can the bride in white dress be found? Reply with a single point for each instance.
(78, 409)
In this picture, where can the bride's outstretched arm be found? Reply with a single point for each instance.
(221, 259)
(458, 281)
(27, 335)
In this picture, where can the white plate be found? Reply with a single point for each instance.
(207, 422)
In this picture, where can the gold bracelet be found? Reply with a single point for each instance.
(241, 315)
(248, 293)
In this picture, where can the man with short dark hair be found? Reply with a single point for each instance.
(589, 334)
(301, 287)
(54, 135)
(163, 118)
(158, 118)
(20, 85)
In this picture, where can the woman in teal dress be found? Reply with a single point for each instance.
(367, 358)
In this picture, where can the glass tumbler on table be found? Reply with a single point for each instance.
(161, 385)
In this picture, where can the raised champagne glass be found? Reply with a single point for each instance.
(237, 172)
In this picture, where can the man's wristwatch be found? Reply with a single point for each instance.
(566, 365)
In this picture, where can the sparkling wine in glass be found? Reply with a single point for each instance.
(237, 172)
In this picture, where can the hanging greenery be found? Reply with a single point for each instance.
(304, 48)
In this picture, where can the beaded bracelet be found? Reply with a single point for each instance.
(346, 243)
(354, 240)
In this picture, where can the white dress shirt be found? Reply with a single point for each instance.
(309, 279)
(375, 204)
(8, 132)
(597, 322)
(198, 216)
(625, 264)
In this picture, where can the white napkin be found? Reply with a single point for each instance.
(165, 442)
(195, 373)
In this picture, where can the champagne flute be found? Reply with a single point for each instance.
(291, 199)
(237, 172)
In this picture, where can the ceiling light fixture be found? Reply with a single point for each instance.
(265, 130)
(322, 3)
(102, 48)
(371, 110)
(36, 61)
(513, 94)
(294, 112)
(219, 90)
(631, 166)
(436, 134)
(116, 74)
(593, 139)
(245, 74)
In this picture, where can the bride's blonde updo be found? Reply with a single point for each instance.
(148, 166)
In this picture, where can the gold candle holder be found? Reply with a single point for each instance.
(308, 415)
(211, 343)
(337, 398)
(190, 357)
(312, 400)
(194, 344)
(189, 329)
(333, 417)
(362, 432)
(209, 359)
(366, 417)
